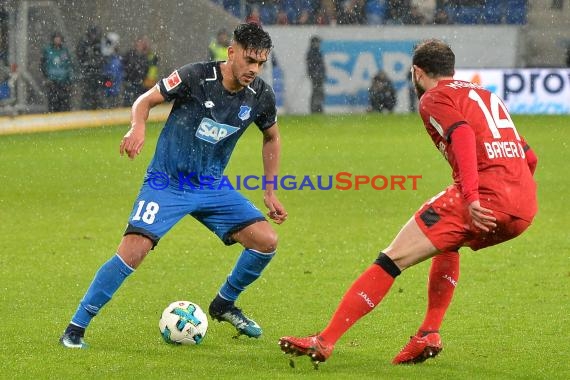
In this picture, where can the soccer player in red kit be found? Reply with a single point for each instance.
(492, 200)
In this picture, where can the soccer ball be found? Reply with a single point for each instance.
(183, 322)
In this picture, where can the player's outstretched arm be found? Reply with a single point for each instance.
(133, 140)
(271, 154)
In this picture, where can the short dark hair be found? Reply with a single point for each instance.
(252, 36)
(435, 57)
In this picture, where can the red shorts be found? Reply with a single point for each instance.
(446, 222)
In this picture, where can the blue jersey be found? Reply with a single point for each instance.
(206, 122)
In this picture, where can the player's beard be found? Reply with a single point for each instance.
(246, 79)
(241, 79)
(419, 90)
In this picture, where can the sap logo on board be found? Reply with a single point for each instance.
(351, 65)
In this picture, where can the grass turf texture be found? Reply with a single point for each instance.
(65, 197)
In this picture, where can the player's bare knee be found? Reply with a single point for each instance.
(268, 242)
(263, 242)
(134, 248)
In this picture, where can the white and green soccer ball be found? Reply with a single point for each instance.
(183, 322)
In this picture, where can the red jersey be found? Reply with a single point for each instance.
(498, 175)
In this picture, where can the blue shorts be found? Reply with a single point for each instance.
(224, 212)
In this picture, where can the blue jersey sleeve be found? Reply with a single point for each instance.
(268, 113)
(177, 84)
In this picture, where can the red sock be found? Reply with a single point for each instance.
(363, 296)
(443, 277)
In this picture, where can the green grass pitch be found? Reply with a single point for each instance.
(64, 202)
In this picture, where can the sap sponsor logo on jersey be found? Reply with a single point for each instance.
(351, 65)
(525, 91)
(172, 81)
(213, 132)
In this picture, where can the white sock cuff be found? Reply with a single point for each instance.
(123, 261)
(262, 253)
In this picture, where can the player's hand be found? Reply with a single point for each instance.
(276, 212)
(482, 217)
(132, 142)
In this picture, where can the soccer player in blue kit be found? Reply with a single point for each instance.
(214, 103)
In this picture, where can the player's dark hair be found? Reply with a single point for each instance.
(251, 36)
(435, 57)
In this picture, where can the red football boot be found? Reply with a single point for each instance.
(313, 346)
(419, 349)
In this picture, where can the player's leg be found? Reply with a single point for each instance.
(444, 221)
(409, 247)
(426, 343)
(444, 272)
(259, 241)
(442, 281)
(148, 222)
(234, 219)
(107, 280)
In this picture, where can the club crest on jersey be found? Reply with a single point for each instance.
(213, 132)
(244, 112)
(172, 81)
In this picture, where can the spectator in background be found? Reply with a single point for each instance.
(299, 12)
(268, 10)
(136, 66)
(375, 12)
(351, 12)
(426, 8)
(415, 17)
(218, 48)
(112, 71)
(441, 17)
(316, 72)
(253, 16)
(281, 18)
(3, 42)
(5, 72)
(4, 77)
(90, 61)
(382, 93)
(57, 68)
(151, 76)
(325, 14)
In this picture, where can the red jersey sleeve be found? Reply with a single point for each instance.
(531, 158)
(463, 145)
(455, 138)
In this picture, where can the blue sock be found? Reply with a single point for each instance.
(248, 268)
(106, 282)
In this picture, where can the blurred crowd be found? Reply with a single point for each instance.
(105, 76)
(101, 71)
(377, 12)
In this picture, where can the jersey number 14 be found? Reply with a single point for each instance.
(493, 117)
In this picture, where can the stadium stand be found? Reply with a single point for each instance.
(376, 12)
